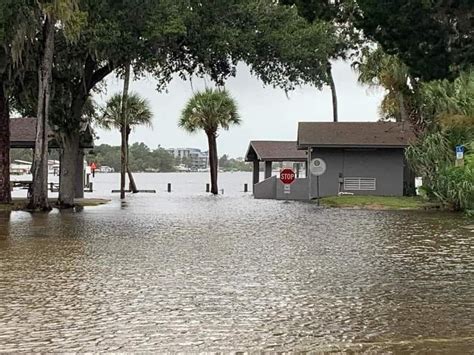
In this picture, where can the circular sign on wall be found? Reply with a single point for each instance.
(317, 167)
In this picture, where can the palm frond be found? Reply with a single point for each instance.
(139, 112)
(209, 110)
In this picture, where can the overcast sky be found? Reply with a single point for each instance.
(266, 113)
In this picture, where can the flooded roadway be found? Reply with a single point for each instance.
(190, 272)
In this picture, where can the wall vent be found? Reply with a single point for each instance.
(360, 184)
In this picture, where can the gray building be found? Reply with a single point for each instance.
(194, 158)
(365, 158)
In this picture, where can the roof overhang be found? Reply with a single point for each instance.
(360, 135)
(350, 146)
(275, 151)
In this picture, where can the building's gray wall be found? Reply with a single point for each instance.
(273, 188)
(298, 190)
(386, 165)
(266, 188)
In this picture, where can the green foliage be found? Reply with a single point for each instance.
(455, 187)
(433, 158)
(231, 164)
(18, 26)
(138, 109)
(374, 202)
(447, 107)
(66, 15)
(340, 13)
(27, 155)
(378, 69)
(285, 50)
(21, 154)
(443, 99)
(142, 158)
(210, 110)
(433, 38)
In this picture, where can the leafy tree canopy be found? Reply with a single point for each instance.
(434, 38)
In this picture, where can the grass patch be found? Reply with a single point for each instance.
(376, 202)
(19, 204)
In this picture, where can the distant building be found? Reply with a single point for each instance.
(192, 158)
(105, 169)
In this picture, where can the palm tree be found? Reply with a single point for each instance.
(380, 69)
(209, 111)
(138, 114)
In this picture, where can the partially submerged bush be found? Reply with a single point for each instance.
(433, 158)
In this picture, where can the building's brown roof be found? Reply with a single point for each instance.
(23, 134)
(274, 151)
(354, 134)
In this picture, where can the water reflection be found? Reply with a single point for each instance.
(179, 272)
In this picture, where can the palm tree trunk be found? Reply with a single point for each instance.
(123, 160)
(332, 85)
(211, 138)
(39, 197)
(5, 194)
(401, 105)
(132, 185)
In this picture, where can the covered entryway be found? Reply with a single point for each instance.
(269, 152)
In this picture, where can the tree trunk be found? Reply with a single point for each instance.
(332, 85)
(131, 182)
(211, 138)
(70, 150)
(79, 175)
(132, 185)
(5, 194)
(403, 111)
(123, 160)
(67, 175)
(39, 196)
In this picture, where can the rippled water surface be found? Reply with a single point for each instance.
(190, 272)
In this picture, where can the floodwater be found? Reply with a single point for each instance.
(186, 271)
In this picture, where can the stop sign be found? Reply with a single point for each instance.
(287, 176)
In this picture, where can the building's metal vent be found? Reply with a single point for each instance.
(359, 184)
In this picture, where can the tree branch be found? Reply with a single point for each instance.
(99, 75)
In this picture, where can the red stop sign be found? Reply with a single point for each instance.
(287, 176)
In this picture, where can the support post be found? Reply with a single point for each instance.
(308, 175)
(268, 169)
(317, 188)
(169, 187)
(80, 175)
(256, 172)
